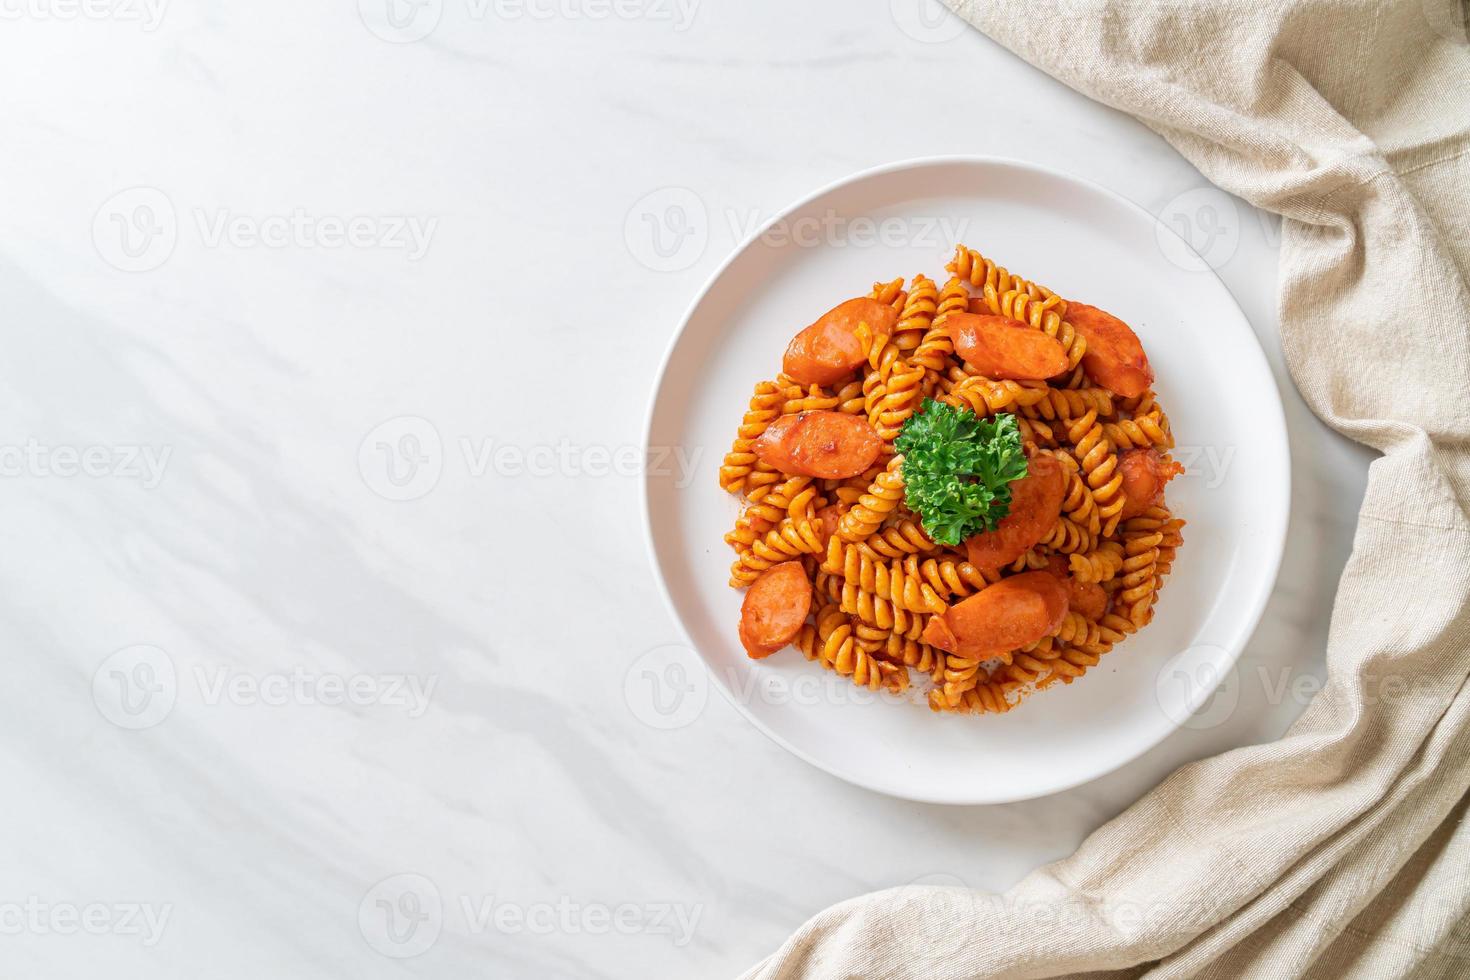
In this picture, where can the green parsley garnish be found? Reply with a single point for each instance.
(958, 469)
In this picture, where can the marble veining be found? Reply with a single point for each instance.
(329, 332)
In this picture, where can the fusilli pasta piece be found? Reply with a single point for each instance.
(1092, 449)
(1141, 431)
(1098, 565)
(1064, 404)
(917, 315)
(884, 494)
(765, 405)
(1044, 312)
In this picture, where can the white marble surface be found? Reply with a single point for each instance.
(187, 470)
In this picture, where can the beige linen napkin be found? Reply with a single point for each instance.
(1339, 850)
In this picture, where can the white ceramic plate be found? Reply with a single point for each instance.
(1089, 244)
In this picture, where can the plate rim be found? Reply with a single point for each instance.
(1278, 532)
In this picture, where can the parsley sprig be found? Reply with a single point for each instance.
(958, 469)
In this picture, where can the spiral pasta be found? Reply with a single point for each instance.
(985, 397)
(1066, 404)
(990, 279)
(1141, 431)
(837, 649)
(890, 292)
(935, 353)
(1044, 312)
(873, 507)
(1092, 449)
(1068, 537)
(789, 539)
(814, 399)
(918, 312)
(904, 537)
(877, 578)
(765, 405)
(1138, 578)
(888, 579)
(878, 611)
(1097, 565)
(892, 386)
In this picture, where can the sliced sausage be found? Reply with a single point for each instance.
(1036, 500)
(1005, 349)
(1115, 357)
(829, 350)
(775, 606)
(826, 445)
(829, 517)
(1087, 598)
(1144, 474)
(1008, 615)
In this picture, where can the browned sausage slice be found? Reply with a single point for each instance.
(826, 445)
(830, 516)
(1005, 349)
(775, 606)
(1008, 615)
(1115, 357)
(1036, 500)
(829, 350)
(1144, 474)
